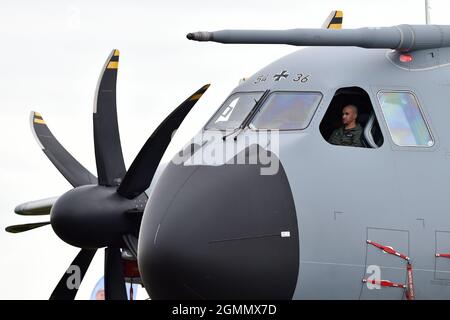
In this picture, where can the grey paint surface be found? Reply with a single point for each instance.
(399, 195)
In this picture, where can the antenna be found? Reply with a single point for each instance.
(427, 12)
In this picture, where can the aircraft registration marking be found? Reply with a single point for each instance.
(299, 78)
(302, 78)
(282, 75)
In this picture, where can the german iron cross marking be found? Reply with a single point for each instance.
(283, 74)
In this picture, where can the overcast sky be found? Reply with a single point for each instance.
(51, 56)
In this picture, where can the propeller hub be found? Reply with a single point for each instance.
(93, 216)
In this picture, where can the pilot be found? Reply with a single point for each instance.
(349, 134)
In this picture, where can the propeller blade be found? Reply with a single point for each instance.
(18, 228)
(70, 168)
(35, 208)
(114, 281)
(141, 171)
(67, 287)
(108, 150)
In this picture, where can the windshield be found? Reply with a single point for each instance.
(287, 111)
(233, 111)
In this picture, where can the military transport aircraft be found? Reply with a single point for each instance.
(282, 214)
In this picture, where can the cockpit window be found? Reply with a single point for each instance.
(287, 111)
(404, 119)
(233, 111)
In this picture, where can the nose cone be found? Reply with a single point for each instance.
(220, 232)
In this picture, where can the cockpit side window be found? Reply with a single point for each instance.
(404, 119)
(233, 111)
(364, 132)
(286, 111)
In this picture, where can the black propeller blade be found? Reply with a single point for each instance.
(108, 149)
(69, 167)
(140, 174)
(107, 212)
(114, 282)
(68, 286)
(25, 227)
(35, 208)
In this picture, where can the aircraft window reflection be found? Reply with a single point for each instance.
(404, 119)
(287, 111)
(233, 111)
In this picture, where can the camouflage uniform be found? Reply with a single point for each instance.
(350, 137)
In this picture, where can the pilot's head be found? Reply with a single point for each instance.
(349, 114)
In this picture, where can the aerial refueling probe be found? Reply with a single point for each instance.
(404, 38)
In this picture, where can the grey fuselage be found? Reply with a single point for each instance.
(343, 196)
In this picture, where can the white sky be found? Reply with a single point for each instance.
(52, 53)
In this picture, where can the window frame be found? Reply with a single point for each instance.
(220, 107)
(424, 118)
(285, 91)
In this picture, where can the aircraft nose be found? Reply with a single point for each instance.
(220, 232)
